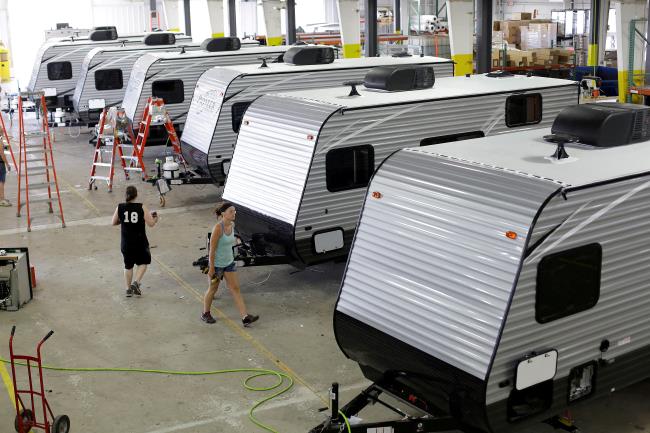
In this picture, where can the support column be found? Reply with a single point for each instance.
(460, 16)
(215, 12)
(153, 16)
(273, 21)
(186, 15)
(483, 36)
(370, 32)
(598, 32)
(232, 18)
(397, 16)
(350, 24)
(172, 15)
(291, 21)
(630, 48)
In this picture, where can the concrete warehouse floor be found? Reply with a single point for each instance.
(80, 296)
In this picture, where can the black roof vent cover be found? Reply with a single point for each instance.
(108, 34)
(160, 39)
(309, 55)
(221, 44)
(395, 78)
(105, 28)
(605, 125)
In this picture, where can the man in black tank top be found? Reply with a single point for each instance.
(132, 218)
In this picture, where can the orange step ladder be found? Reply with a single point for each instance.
(5, 142)
(40, 165)
(155, 113)
(111, 138)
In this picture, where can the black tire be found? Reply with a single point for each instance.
(28, 421)
(61, 424)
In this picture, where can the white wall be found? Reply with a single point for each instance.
(27, 28)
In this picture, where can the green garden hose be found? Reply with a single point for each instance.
(257, 372)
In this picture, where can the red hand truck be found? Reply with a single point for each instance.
(26, 418)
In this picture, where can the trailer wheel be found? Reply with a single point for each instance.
(61, 424)
(28, 421)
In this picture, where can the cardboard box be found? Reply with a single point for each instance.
(497, 38)
(522, 16)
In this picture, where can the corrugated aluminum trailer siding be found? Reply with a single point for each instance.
(390, 128)
(83, 76)
(86, 86)
(268, 175)
(224, 137)
(431, 265)
(189, 71)
(205, 107)
(37, 66)
(135, 84)
(61, 53)
(615, 215)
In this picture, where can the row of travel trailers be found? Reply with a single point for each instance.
(488, 283)
(87, 74)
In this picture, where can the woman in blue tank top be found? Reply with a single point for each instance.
(222, 264)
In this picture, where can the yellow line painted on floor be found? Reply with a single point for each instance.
(6, 379)
(242, 333)
(84, 199)
(9, 384)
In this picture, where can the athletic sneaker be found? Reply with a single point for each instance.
(207, 318)
(5, 203)
(249, 319)
(135, 288)
(129, 292)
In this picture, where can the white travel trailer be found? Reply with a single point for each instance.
(497, 285)
(104, 74)
(58, 63)
(303, 159)
(222, 95)
(173, 77)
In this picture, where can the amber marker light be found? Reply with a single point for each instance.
(511, 235)
(376, 194)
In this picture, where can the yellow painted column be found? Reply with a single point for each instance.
(273, 21)
(350, 19)
(172, 15)
(460, 15)
(464, 63)
(592, 55)
(626, 11)
(215, 12)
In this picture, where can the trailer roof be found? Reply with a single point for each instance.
(363, 62)
(180, 37)
(444, 88)
(176, 47)
(525, 153)
(262, 49)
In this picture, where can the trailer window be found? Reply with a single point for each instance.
(171, 91)
(349, 168)
(59, 71)
(108, 79)
(238, 110)
(568, 282)
(523, 109)
(451, 137)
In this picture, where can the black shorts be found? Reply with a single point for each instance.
(139, 256)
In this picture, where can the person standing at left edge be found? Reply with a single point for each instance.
(132, 217)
